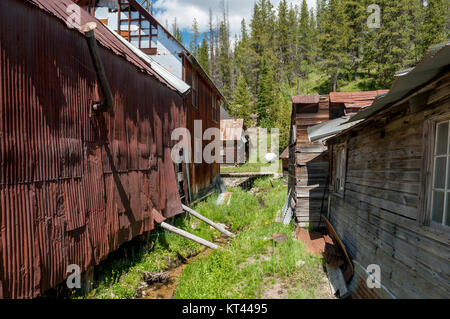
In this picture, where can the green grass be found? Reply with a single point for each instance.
(227, 273)
(250, 168)
(224, 273)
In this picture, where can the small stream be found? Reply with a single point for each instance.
(167, 290)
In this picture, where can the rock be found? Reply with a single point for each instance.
(300, 263)
(279, 238)
(154, 277)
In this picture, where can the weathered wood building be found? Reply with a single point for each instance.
(234, 147)
(390, 185)
(308, 164)
(136, 25)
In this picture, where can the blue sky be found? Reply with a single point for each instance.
(186, 10)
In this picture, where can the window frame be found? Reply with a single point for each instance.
(340, 171)
(194, 86)
(428, 173)
(214, 107)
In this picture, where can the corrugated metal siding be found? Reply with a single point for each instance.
(203, 175)
(74, 185)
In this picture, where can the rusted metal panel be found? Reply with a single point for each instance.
(306, 99)
(352, 97)
(75, 185)
(203, 175)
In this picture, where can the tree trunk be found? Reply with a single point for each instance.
(335, 82)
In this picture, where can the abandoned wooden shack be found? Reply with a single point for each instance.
(234, 145)
(308, 161)
(85, 161)
(389, 189)
(142, 30)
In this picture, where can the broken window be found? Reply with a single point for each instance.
(341, 163)
(440, 202)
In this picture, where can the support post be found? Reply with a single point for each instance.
(187, 235)
(208, 221)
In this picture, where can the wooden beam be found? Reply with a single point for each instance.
(206, 220)
(187, 235)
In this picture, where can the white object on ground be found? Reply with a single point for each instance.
(270, 157)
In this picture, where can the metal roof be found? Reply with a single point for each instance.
(188, 54)
(355, 97)
(224, 114)
(434, 63)
(306, 99)
(180, 85)
(285, 154)
(109, 39)
(329, 128)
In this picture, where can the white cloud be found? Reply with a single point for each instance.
(186, 10)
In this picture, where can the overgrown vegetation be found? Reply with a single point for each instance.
(251, 263)
(250, 168)
(244, 268)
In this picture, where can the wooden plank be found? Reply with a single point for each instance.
(187, 235)
(404, 187)
(407, 211)
(386, 194)
(383, 247)
(208, 221)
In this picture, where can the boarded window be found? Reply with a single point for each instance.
(440, 202)
(341, 161)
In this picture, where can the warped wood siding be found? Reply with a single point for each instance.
(308, 168)
(379, 216)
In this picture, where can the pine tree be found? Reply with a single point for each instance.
(212, 60)
(203, 54)
(223, 63)
(334, 41)
(242, 101)
(282, 33)
(266, 94)
(176, 31)
(393, 43)
(436, 25)
(195, 37)
(356, 17)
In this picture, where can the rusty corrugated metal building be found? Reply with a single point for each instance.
(74, 185)
(129, 19)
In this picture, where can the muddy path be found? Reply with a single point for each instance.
(167, 290)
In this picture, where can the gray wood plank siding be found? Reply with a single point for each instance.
(379, 216)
